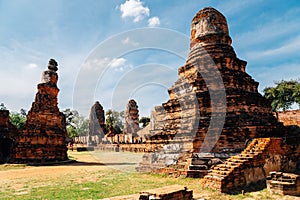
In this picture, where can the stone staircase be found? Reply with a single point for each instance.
(230, 176)
(284, 183)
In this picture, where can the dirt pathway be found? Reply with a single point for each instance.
(21, 179)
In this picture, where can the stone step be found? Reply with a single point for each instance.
(253, 152)
(198, 167)
(215, 177)
(221, 172)
(241, 157)
(223, 168)
(281, 183)
(239, 160)
(196, 173)
(286, 180)
(225, 165)
(232, 163)
(248, 154)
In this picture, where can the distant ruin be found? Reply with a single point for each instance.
(97, 127)
(97, 120)
(99, 133)
(43, 138)
(131, 124)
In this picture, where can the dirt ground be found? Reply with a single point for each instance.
(16, 178)
(21, 179)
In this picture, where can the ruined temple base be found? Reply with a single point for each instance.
(248, 170)
(121, 147)
(284, 183)
(197, 166)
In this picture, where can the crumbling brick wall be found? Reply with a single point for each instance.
(253, 165)
(289, 118)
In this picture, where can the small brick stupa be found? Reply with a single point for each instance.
(131, 124)
(97, 125)
(97, 119)
(43, 137)
(214, 106)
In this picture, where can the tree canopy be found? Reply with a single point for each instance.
(115, 119)
(283, 95)
(145, 121)
(18, 119)
(2, 106)
(76, 125)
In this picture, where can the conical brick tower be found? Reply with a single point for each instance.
(214, 106)
(43, 138)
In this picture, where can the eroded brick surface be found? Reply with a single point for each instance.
(44, 135)
(284, 183)
(262, 156)
(213, 87)
(289, 118)
(97, 128)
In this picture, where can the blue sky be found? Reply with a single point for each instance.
(265, 33)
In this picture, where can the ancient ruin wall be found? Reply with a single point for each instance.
(97, 127)
(213, 85)
(131, 124)
(289, 118)
(44, 135)
(8, 134)
(248, 114)
(254, 164)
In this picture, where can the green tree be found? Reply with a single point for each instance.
(115, 119)
(82, 125)
(72, 132)
(76, 124)
(145, 121)
(283, 95)
(18, 119)
(2, 106)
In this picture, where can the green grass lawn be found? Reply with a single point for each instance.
(97, 182)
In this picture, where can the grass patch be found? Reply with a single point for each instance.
(115, 184)
(5, 167)
(98, 181)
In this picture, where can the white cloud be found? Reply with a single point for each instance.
(126, 40)
(266, 75)
(118, 64)
(32, 65)
(154, 21)
(115, 89)
(231, 7)
(129, 42)
(134, 8)
(96, 64)
(267, 33)
(287, 49)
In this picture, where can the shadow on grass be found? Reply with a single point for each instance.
(79, 163)
(76, 163)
